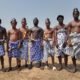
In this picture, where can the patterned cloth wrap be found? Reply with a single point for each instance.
(36, 50)
(14, 49)
(2, 51)
(61, 39)
(75, 40)
(48, 49)
(24, 49)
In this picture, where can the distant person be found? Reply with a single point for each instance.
(24, 41)
(48, 44)
(14, 44)
(61, 41)
(3, 38)
(74, 37)
(36, 49)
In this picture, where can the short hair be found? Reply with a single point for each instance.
(75, 10)
(47, 19)
(35, 20)
(13, 20)
(60, 16)
(24, 18)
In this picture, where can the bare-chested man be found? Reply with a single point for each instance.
(36, 51)
(61, 40)
(48, 44)
(3, 37)
(14, 44)
(74, 37)
(24, 41)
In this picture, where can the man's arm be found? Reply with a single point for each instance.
(68, 27)
(55, 36)
(20, 38)
(68, 33)
(8, 38)
(5, 34)
(5, 38)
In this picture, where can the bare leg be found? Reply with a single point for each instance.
(10, 66)
(2, 62)
(30, 66)
(66, 60)
(74, 64)
(52, 58)
(18, 64)
(60, 62)
(42, 65)
(26, 63)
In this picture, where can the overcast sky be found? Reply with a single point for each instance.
(36, 8)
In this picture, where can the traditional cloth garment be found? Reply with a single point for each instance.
(14, 49)
(2, 51)
(75, 40)
(36, 51)
(24, 49)
(61, 39)
(48, 49)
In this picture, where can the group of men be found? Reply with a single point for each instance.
(37, 44)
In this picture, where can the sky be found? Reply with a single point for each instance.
(36, 8)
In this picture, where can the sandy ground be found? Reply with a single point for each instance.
(37, 74)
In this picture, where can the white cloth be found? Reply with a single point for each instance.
(48, 49)
(61, 39)
(75, 40)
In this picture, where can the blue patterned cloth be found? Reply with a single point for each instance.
(14, 50)
(24, 50)
(36, 51)
(48, 49)
(2, 52)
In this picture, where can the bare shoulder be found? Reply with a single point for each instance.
(53, 29)
(56, 27)
(10, 30)
(70, 23)
(17, 30)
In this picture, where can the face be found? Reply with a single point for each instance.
(13, 23)
(47, 23)
(75, 14)
(60, 20)
(23, 22)
(35, 22)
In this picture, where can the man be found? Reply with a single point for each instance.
(48, 43)
(61, 40)
(36, 52)
(14, 44)
(74, 37)
(3, 38)
(24, 49)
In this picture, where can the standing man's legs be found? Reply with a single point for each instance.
(52, 58)
(2, 62)
(18, 63)
(60, 62)
(10, 62)
(74, 64)
(66, 60)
